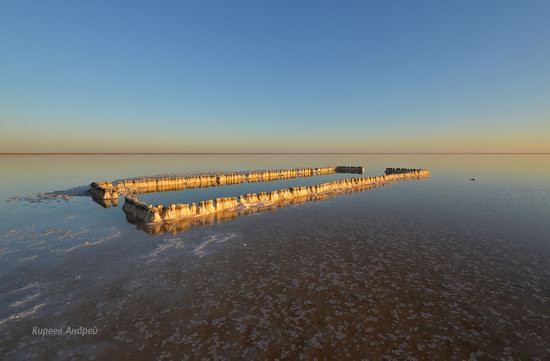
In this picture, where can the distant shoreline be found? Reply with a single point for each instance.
(266, 153)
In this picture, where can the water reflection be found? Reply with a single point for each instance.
(106, 203)
(228, 215)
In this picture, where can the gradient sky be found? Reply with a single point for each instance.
(269, 76)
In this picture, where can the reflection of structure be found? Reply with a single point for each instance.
(109, 190)
(105, 203)
(227, 215)
(141, 212)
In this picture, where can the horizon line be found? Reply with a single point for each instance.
(255, 153)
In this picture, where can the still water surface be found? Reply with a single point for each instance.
(442, 268)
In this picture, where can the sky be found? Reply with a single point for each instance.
(275, 76)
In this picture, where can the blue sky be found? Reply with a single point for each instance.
(216, 76)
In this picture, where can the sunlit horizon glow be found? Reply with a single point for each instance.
(218, 76)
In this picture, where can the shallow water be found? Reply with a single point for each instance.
(442, 268)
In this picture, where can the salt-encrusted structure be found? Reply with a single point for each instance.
(399, 170)
(349, 169)
(175, 227)
(103, 190)
(151, 214)
(108, 190)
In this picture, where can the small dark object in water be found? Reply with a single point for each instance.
(472, 179)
